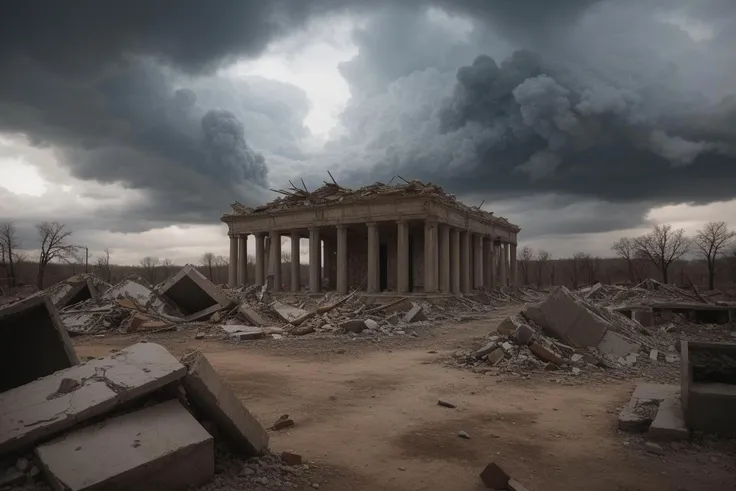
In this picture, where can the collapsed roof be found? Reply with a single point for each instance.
(332, 194)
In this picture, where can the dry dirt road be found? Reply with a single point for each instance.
(368, 417)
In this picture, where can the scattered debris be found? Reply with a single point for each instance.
(494, 477)
(291, 458)
(654, 448)
(463, 434)
(283, 422)
(446, 404)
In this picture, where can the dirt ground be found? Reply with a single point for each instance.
(367, 415)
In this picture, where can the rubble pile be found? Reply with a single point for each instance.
(566, 332)
(138, 418)
(648, 292)
(332, 193)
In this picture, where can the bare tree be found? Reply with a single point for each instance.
(208, 260)
(626, 249)
(221, 266)
(54, 246)
(9, 245)
(150, 264)
(662, 246)
(575, 267)
(524, 258)
(711, 241)
(542, 261)
(285, 257)
(167, 265)
(591, 266)
(103, 264)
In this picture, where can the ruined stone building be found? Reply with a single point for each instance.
(407, 238)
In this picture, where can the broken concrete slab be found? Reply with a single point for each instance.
(545, 354)
(33, 342)
(669, 424)
(353, 325)
(192, 294)
(36, 411)
(641, 410)
(415, 314)
(494, 477)
(216, 401)
(516, 485)
(253, 317)
(133, 287)
(159, 447)
(495, 357)
(485, 350)
(506, 327)
(616, 345)
(523, 335)
(287, 312)
(645, 317)
(243, 333)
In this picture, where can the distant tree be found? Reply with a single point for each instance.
(150, 264)
(9, 254)
(221, 264)
(285, 257)
(103, 264)
(524, 258)
(167, 265)
(208, 260)
(591, 265)
(662, 246)
(543, 259)
(711, 241)
(54, 246)
(626, 249)
(575, 267)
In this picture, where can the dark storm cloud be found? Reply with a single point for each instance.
(620, 108)
(123, 90)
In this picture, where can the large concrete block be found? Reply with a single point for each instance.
(33, 342)
(287, 312)
(669, 424)
(617, 345)
(193, 294)
(251, 315)
(211, 396)
(156, 448)
(38, 410)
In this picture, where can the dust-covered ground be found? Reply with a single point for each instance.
(367, 417)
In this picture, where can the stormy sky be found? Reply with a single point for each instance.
(137, 123)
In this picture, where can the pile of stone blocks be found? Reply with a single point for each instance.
(191, 296)
(130, 420)
(577, 322)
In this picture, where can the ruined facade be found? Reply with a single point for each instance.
(408, 238)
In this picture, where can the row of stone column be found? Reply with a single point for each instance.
(447, 260)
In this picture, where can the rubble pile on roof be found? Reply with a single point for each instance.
(332, 193)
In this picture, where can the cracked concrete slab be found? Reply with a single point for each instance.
(192, 294)
(214, 398)
(159, 447)
(33, 342)
(38, 410)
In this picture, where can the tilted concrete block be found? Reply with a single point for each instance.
(193, 294)
(216, 401)
(37, 411)
(159, 447)
(33, 342)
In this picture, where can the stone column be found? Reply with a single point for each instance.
(492, 259)
(430, 257)
(242, 259)
(486, 263)
(232, 272)
(296, 280)
(478, 261)
(465, 262)
(342, 259)
(266, 256)
(260, 259)
(504, 265)
(514, 273)
(402, 256)
(274, 262)
(315, 260)
(444, 258)
(329, 262)
(454, 260)
(373, 273)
